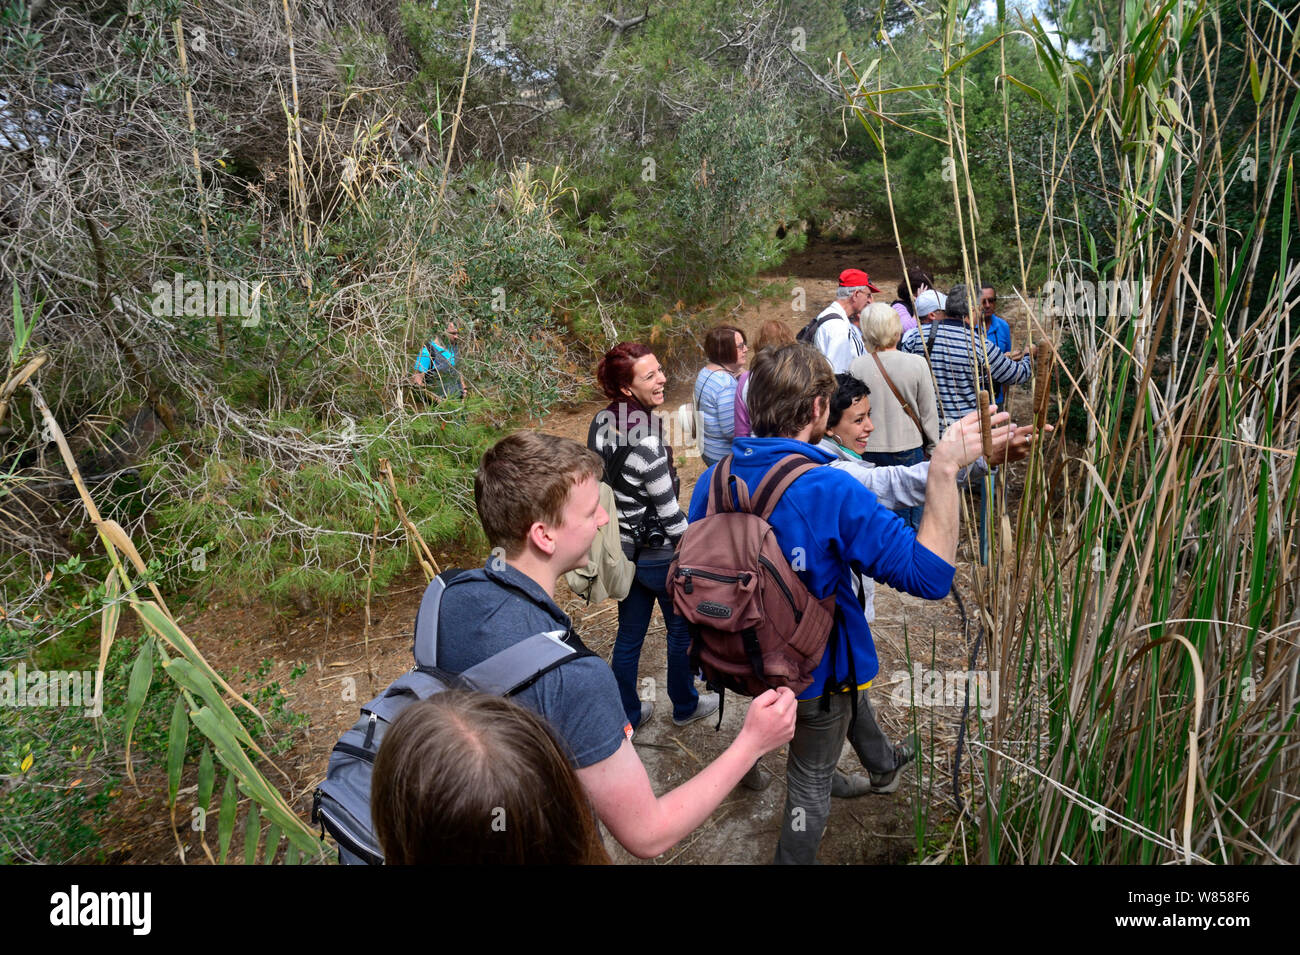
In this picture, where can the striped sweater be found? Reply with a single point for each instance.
(647, 471)
(963, 361)
(715, 397)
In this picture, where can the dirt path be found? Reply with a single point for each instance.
(339, 668)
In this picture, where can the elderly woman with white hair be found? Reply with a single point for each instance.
(903, 407)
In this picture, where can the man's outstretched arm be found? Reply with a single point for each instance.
(960, 446)
(647, 825)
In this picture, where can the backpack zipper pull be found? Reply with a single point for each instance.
(688, 586)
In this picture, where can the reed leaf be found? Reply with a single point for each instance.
(252, 833)
(207, 779)
(136, 691)
(226, 818)
(272, 844)
(177, 736)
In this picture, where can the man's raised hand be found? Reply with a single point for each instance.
(961, 443)
(1012, 443)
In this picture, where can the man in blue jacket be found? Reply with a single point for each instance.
(829, 525)
(997, 331)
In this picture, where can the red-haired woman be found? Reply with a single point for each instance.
(639, 466)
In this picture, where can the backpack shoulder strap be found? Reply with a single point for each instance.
(777, 480)
(518, 666)
(614, 471)
(504, 673)
(720, 489)
(809, 331)
(411, 686)
(614, 462)
(426, 623)
(830, 316)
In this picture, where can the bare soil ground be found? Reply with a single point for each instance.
(344, 667)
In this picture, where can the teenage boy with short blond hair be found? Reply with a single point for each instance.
(538, 502)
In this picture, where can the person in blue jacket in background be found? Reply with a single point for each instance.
(829, 526)
(435, 367)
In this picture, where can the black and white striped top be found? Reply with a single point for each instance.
(646, 471)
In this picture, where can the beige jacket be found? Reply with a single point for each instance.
(911, 375)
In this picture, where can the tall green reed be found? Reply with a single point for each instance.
(1142, 597)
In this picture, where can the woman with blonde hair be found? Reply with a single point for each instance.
(771, 332)
(903, 408)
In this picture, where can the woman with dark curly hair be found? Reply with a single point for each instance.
(639, 466)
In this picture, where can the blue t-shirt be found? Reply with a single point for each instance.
(445, 360)
(999, 333)
(437, 362)
(579, 699)
(828, 525)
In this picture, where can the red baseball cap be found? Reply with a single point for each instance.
(853, 278)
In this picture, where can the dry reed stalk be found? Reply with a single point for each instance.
(460, 104)
(1042, 382)
(179, 30)
(986, 428)
(413, 538)
(19, 378)
(297, 158)
(370, 581)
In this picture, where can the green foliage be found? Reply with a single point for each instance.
(51, 809)
(923, 166)
(239, 507)
(23, 328)
(736, 169)
(1140, 613)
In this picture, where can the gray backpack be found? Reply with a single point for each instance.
(341, 805)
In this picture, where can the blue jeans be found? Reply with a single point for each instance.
(885, 459)
(634, 611)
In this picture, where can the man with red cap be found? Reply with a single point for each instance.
(837, 335)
